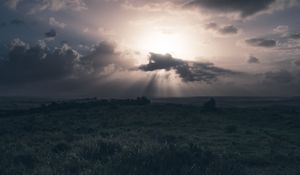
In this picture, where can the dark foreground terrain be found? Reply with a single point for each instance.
(166, 137)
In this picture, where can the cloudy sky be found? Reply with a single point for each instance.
(158, 48)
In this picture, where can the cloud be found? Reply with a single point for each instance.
(105, 71)
(12, 3)
(212, 26)
(61, 71)
(56, 5)
(53, 22)
(27, 63)
(253, 60)
(289, 42)
(105, 32)
(261, 42)
(242, 7)
(101, 55)
(236, 8)
(189, 71)
(294, 36)
(230, 29)
(281, 76)
(222, 30)
(159, 61)
(51, 33)
(17, 42)
(281, 29)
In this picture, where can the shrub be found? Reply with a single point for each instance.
(210, 105)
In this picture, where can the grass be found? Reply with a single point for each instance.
(154, 139)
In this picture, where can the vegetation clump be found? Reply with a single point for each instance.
(210, 105)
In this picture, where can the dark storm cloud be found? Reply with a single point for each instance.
(244, 8)
(222, 30)
(27, 63)
(261, 42)
(189, 71)
(51, 33)
(42, 70)
(253, 60)
(159, 61)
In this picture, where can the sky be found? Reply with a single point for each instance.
(155, 48)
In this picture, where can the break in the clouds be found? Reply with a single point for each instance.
(120, 48)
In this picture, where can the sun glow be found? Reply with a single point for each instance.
(163, 42)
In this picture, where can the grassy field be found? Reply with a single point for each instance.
(161, 138)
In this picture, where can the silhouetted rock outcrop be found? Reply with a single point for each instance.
(210, 105)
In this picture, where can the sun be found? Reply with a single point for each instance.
(163, 42)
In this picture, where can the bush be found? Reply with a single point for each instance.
(210, 105)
